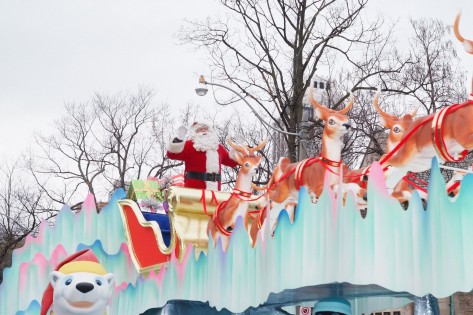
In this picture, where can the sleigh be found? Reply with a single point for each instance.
(189, 211)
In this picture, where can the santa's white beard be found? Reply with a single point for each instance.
(205, 141)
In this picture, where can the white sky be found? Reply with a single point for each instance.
(57, 51)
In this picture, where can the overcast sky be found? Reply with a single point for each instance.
(55, 51)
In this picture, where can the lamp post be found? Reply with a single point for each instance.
(202, 90)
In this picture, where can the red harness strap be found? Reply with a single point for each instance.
(329, 162)
(438, 138)
(299, 169)
(411, 180)
(246, 194)
(453, 187)
(204, 202)
(301, 166)
(237, 193)
(253, 214)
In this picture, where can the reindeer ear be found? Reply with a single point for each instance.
(383, 122)
(258, 158)
(320, 114)
(239, 158)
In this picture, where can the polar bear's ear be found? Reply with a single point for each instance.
(109, 277)
(54, 277)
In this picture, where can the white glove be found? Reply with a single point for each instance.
(181, 132)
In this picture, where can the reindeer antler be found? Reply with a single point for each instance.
(467, 44)
(378, 109)
(237, 147)
(414, 112)
(257, 148)
(325, 108)
(456, 23)
(313, 101)
(348, 107)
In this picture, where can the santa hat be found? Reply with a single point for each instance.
(201, 123)
(82, 261)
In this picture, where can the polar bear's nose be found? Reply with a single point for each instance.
(84, 287)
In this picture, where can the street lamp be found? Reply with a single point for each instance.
(202, 90)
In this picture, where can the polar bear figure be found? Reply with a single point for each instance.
(81, 292)
(78, 285)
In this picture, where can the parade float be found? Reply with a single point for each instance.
(319, 232)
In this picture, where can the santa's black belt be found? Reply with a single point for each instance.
(206, 177)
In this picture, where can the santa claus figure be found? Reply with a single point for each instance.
(202, 154)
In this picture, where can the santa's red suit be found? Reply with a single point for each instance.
(202, 168)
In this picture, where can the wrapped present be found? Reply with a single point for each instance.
(168, 181)
(142, 189)
(147, 194)
(164, 182)
(151, 205)
(178, 180)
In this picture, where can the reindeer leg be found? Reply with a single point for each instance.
(273, 228)
(313, 197)
(225, 242)
(291, 210)
(254, 232)
(246, 222)
(211, 230)
(360, 193)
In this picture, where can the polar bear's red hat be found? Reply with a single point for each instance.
(82, 261)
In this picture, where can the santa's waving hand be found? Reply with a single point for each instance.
(202, 154)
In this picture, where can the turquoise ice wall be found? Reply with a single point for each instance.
(415, 250)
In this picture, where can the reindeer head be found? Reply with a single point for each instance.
(397, 125)
(246, 158)
(337, 122)
(467, 44)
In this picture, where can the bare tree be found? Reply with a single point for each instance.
(430, 78)
(269, 50)
(434, 78)
(70, 158)
(22, 207)
(99, 146)
(126, 140)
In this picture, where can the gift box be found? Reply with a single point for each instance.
(147, 194)
(142, 189)
(178, 180)
(167, 181)
(151, 205)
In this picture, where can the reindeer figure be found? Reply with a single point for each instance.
(222, 222)
(447, 134)
(310, 173)
(397, 127)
